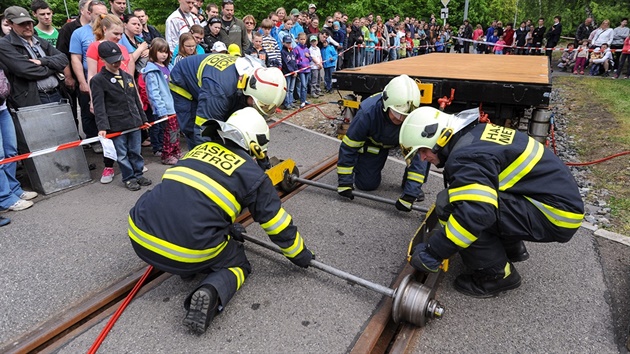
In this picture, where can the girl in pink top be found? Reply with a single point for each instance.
(107, 28)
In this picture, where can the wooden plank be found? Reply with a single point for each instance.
(476, 67)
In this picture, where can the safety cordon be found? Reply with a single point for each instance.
(74, 144)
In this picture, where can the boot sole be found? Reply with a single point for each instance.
(488, 295)
(519, 258)
(198, 312)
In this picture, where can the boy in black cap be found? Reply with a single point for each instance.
(117, 107)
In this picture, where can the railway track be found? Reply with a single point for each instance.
(380, 335)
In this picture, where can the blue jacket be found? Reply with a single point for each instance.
(157, 90)
(212, 95)
(329, 56)
(370, 131)
(288, 61)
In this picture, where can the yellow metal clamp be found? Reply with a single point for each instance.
(349, 103)
(276, 173)
(426, 93)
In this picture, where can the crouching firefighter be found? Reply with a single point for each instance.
(372, 132)
(186, 224)
(503, 188)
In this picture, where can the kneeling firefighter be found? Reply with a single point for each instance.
(503, 187)
(186, 224)
(372, 132)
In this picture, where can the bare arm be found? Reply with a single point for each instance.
(77, 68)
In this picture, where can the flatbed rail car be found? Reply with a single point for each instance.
(514, 90)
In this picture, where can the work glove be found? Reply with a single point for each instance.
(303, 259)
(345, 190)
(405, 203)
(264, 163)
(424, 259)
(236, 231)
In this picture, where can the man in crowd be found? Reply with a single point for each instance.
(312, 10)
(226, 84)
(118, 8)
(233, 29)
(44, 14)
(467, 34)
(538, 36)
(553, 36)
(520, 38)
(497, 178)
(148, 32)
(620, 34)
(180, 22)
(372, 133)
(190, 215)
(31, 65)
(583, 31)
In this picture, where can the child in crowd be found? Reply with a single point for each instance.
(187, 46)
(625, 53)
(289, 69)
(416, 44)
(568, 57)
(370, 45)
(582, 58)
(269, 45)
(117, 107)
(439, 44)
(329, 61)
(256, 49)
(498, 48)
(198, 35)
(303, 60)
(316, 67)
(408, 43)
(402, 44)
(156, 76)
(492, 39)
(603, 62)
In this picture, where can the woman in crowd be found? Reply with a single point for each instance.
(250, 26)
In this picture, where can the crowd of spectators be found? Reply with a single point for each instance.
(42, 64)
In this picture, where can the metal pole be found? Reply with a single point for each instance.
(294, 179)
(331, 270)
(466, 9)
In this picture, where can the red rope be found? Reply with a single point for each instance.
(300, 110)
(599, 160)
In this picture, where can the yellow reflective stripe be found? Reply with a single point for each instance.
(351, 143)
(405, 203)
(171, 250)
(559, 217)
(278, 223)
(206, 185)
(341, 189)
(240, 276)
(295, 248)
(200, 68)
(522, 165)
(342, 170)
(474, 192)
(180, 91)
(413, 176)
(457, 234)
(200, 120)
(373, 150)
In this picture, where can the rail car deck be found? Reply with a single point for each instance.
(497, 79)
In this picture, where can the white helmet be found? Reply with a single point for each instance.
(428, 127)
(245, 127)
(401, 95)
(268, 87)
(422, 129)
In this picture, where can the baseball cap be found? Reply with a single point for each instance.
(110, 52)
(312, 38)
(234, 49)
(215, 20)
(295, 12)
(17, 15)
(219, 47)
(287, 39)
(312, 6)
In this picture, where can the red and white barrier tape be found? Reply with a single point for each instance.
(74, 144)
(529, 48)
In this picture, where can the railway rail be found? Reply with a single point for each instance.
(381, 334)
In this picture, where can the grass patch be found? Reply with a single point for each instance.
(598, 111)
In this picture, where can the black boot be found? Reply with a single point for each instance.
(203, 306)
(420, 196)
(484, 285)
(516, 252)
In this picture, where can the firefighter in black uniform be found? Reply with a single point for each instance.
(372, 132)
(503, 187)
(185, 225)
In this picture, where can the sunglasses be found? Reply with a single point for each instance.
(249, 23)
